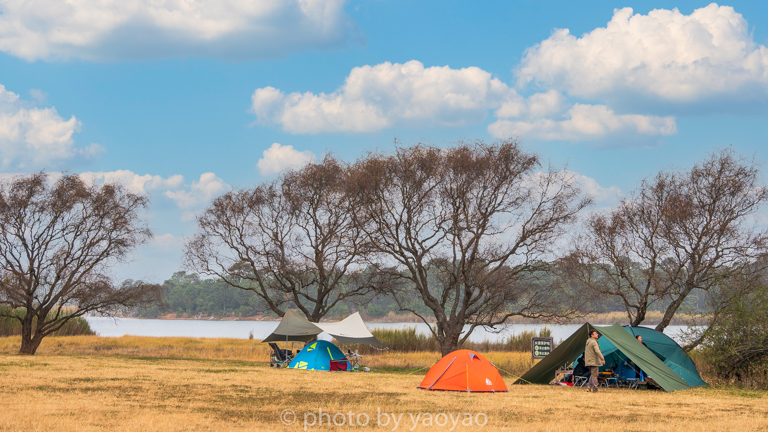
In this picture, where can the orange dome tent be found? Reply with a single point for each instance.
(464, 370)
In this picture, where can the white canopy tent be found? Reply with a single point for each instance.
(294, 327)
(351, 329)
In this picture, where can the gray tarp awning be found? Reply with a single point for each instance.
(294, 327)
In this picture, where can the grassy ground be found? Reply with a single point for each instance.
(180, 384)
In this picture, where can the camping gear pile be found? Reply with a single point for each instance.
(279, 357)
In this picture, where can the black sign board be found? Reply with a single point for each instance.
(541, 347)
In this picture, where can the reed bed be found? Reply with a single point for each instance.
(12, 326)
(651, 318)
(609, 318)
(409, 340)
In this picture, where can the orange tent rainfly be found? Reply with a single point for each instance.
(464, 370)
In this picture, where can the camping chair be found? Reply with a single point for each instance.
(630, 383)
(279, 357)
(580, 372)
(609, 382)
(580, 381)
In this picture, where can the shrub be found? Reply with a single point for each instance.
(735, 349)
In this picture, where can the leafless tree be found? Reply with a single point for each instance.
(465, 230)
(679, 232)
(57, 241)
(293, 240)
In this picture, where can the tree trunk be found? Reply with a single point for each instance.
(30, 340)
(450, 341)
(639, 317)
(449, 346)
(29, 346)
(672, 309)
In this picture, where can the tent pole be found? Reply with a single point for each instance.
(441, 375)
(286, 346)
(467, 366)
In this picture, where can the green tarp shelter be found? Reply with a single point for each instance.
(665, 362)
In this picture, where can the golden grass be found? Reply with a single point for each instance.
(138, 346)
(233, 349)
(182, 384)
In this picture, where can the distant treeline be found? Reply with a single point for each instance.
(188, 295)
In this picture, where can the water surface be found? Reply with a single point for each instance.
(112, 327)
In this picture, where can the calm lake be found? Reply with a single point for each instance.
(113, 327)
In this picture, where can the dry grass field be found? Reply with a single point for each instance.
(178, 384)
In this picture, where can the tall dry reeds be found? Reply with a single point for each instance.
(12, 327)
(409, 340)
(405, 340)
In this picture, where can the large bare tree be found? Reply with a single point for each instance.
(293, 240)
(57, 242)
(466, 231)
(679, 232)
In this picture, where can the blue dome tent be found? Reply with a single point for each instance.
(320, 355)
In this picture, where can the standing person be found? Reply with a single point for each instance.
(593, 359)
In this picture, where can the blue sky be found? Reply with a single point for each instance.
(183, 100)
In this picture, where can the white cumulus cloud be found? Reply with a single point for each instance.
(664, 56)
(141, 29)
(388, 94)
(32, 137)
(409, 95)
(186, 196)
(585, 122)
(138, 184)
(601, 194)
(200, 192)
(282, 157)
